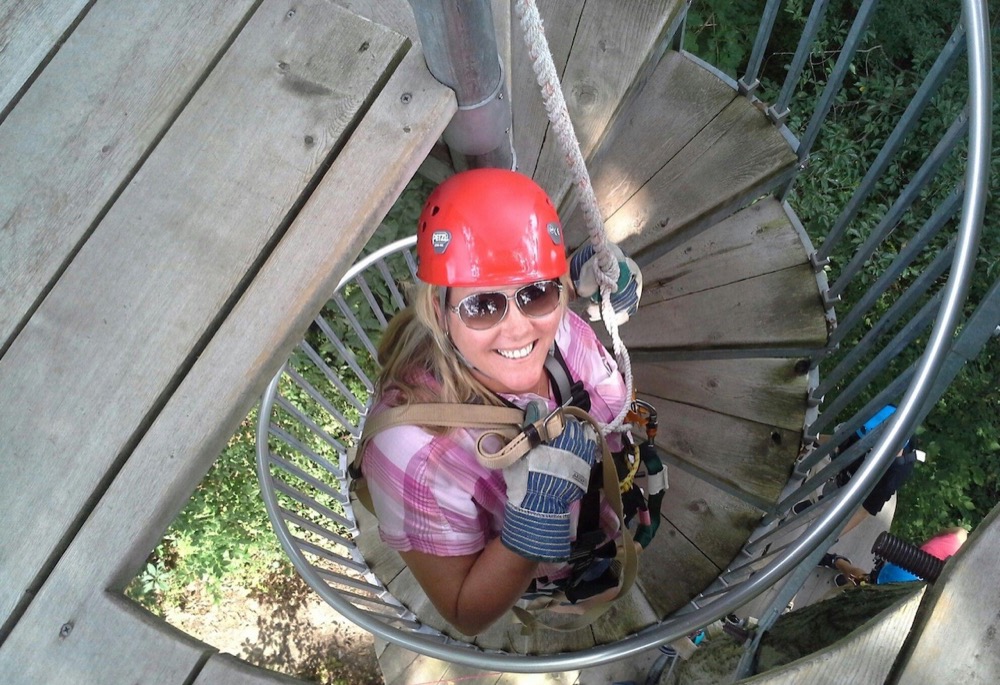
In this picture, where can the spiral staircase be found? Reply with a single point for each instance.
(195, 180)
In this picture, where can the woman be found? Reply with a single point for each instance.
(489, 310)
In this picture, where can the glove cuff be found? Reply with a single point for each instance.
(536, 536)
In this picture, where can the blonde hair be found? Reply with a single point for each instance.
(416, 344)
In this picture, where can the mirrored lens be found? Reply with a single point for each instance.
(485, 310)
(538, 299)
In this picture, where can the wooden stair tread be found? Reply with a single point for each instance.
(767, 391)
(678, 100)
(779, 310)
(710, 167)
(672, 570)
(751, 459)
(757, 240)
(716, 522)
(613, 47)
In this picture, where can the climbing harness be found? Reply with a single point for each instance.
(630, 469)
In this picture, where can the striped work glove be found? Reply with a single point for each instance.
(583, 270)
(541, 486)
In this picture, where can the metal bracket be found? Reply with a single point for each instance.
(747, 88)
(777, 118)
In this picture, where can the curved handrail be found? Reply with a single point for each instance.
(897, 429)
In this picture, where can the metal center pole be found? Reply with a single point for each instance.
(460, 47)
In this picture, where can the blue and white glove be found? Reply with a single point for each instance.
(584, 269)
(541, 486)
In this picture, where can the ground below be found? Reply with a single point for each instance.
(290, 629)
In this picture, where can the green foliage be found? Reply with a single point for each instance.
(221, 535)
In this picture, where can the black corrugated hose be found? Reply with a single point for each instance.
(907, 556)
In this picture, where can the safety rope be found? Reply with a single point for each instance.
(555, 107)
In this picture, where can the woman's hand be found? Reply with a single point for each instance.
(540, 488)
(583, 271)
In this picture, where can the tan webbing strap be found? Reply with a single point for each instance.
(542, 430)
(503, 421)
(451, 415)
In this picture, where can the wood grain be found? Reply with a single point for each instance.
(214, 395)
(779, 309)
(530, 120)
(672, 571)
(29, 30)
(749, 457)
(757, 240)
(738, 151)
(612, 48)
(84, 125)
(677, 101)
(769, 391)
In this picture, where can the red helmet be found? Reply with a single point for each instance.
(489, 227)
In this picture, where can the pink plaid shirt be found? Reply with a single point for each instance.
(433, 496)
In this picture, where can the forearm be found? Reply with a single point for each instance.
(496, 581)
(471, 592)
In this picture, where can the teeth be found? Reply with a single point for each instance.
(517, 354)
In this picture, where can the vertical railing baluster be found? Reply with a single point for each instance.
(751, 78)
(778, 112)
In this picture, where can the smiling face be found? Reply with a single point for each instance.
(509, 357)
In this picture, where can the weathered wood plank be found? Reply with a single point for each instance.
(403, 667)
(672, 571)
(225, 669)
(394, 661)
(530, 121)
(757, 240)
(750, 457)
(865, 656)
(396, 14)
(715, 521)
(154, 652)
(455, 673)
(216, 393)
(739, 152)
(502, 27)
(86, 122)
(29, 31)
(383, 561)
(542, 641)
(673, 106)
(120, 327)
(959, 617)
(614, 44)
(407, 590)
(770, 391)
(779, 309)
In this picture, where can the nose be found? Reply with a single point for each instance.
(515, 322)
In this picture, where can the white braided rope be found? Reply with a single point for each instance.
(555, 107)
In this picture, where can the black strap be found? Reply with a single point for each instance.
(558, 372)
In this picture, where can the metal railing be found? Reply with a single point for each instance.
(312, 525)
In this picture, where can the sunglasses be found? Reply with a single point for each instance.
(481, 311)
